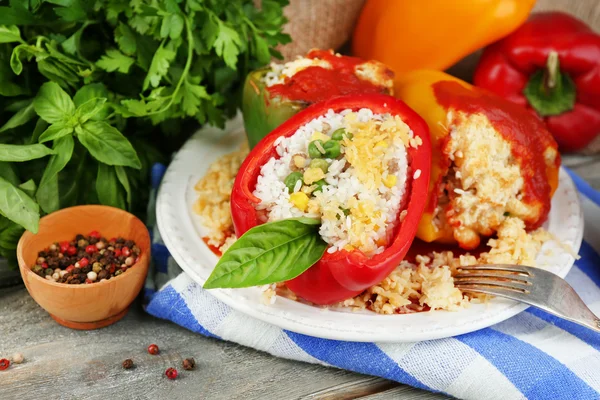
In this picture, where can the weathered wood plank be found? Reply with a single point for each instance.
(66, 364)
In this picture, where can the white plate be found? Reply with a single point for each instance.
(182, 232)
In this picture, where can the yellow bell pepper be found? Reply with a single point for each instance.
(416, 89)
(435, 34)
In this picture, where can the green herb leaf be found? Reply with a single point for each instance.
(107, 145)
(20, 51)
(228, 45)
(64, 75)
(21, 117)
(107, 187)
(122, 176)
(89, 109)
(7, 171)
(8, 88)
(193, 95)
(73, 11)
(53, 104)
(114, 60)
(47, 194)
(172, 26)
(159, 67)
(25, 152)
(125, 38)
(16, 14)
(28, 187)
(269, 253)
(54, 132)
(262, 50)
(92, 91)
(9, 237)
(18, 207)
(40, 127)
(9, 34)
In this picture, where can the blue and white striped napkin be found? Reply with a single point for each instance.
(532, 355)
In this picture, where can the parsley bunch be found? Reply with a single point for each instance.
(93, 92)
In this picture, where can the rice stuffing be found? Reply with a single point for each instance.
(349, 170)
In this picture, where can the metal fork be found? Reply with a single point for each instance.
(529, 285)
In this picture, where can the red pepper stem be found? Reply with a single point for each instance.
(552, 66)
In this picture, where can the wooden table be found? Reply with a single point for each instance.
(62, 363)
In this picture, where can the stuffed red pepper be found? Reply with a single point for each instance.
(330, 200)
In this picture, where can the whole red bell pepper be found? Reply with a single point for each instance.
(551, 64)
(343, 274)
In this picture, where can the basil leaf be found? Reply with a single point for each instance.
(53, 104)
(18, 207)
(47, 194)
(7, 171)
(89, 109)
(272, 252)
(23, 152)
(40, 127)
(28, 187)
(55, 131)
(122, 176)
(9, 34)
(92, 91)
(21, 117)
(10, 236)
(21, 50)
(107, 145)
(107, 187)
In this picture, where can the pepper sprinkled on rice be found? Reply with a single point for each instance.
(349, 169)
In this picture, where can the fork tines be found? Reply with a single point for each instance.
(509, 277)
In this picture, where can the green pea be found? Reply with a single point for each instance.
(339, 134)
(291, 180)
(320, 183)
(332, 149)
(313, 150)
(320, 163)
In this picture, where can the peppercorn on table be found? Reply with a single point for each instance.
(63, 363)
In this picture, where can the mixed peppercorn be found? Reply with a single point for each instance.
(86, 259)
(188, 364)
(312, 176)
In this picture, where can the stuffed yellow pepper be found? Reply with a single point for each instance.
(491, 160)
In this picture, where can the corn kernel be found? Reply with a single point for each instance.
(382, 144)
(312, 175)
(319, 136)
(348, 247)
(299, 161)
(390, 181)
(299, 200)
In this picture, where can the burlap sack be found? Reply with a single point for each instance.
(322, 24)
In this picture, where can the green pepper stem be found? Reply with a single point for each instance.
(552, 68)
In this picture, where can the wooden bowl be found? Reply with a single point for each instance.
(85, 306)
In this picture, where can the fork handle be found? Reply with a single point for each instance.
(568, 305)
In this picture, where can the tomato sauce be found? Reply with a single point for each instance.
(212, 248)
(527, 134)
(314, 84)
